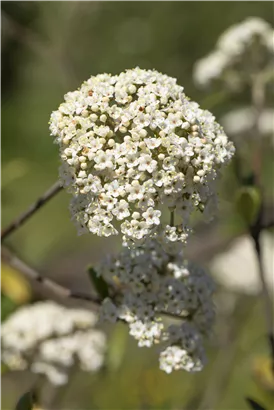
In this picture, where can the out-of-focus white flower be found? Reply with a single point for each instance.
(239, 37)
(270, 41)
(211, 67)
(242, 50)
(48, 338)
(237, 270)
(149, 284)
(133, 143)
(241, 122)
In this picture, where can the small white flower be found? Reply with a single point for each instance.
(152, 143)
(146, 163)
(121, 210)
(152, 217)
(102, 161)
(135, 191)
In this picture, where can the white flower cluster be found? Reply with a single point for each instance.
(185, 350)
(240, 50)
(241, 122)
(240, 257)
(133, 145)
(48, 338)
(148, 284)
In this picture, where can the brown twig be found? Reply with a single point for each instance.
(12, 260)
(58, 290)
(50, 193)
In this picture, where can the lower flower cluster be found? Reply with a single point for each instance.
(149, 285)
(49, 339)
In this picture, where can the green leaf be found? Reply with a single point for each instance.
(98, 282)
(248, 202)
(117, 347)
(254, 405)
(4, 368)
(8, 306)
(25, 402)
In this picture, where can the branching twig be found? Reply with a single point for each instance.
(32, 209)
(59, 290)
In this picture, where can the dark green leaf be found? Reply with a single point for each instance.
(7, 306)
(117, 347)
(248, 201)
(254, 405)
(98, 282)
(25, 402)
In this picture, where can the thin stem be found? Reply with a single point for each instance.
(174, 315)
(266, 295)
(221, 372)
(37, 388)
(258, 97)
(172, 218)
(59, 290)
(268, 224)
(50, 193)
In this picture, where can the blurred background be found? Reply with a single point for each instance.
(50, 48)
